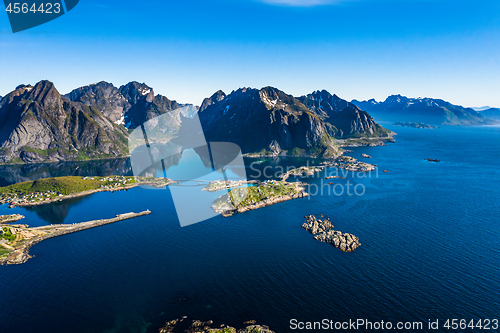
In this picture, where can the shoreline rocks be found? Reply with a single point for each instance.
(4, 219)
(350, 164)
(367, 142)
(415, 125)
(270, 201)
(322, 230)
(197, 326)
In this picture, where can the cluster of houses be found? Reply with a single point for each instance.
(115, 181)
(119, 179)
(350, 164)
(29, 198)
(275, 183)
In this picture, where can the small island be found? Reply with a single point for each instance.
(267, 193)
(322, 230)
(16, 240)
(350, 164)
(10, 218)
(414, 125)
(49, 190)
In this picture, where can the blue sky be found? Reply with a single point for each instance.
(186, 50)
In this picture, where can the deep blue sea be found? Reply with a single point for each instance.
(430, 235)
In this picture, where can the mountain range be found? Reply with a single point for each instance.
(268, 121)
(38, 124)
(428, 110)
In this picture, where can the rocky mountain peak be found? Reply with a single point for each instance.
(38, 124)
(343, 119)
(21, 86)
(396, 99)
(45, 93)
(324, 103)
(134, 91)
(103, 96)
(216, 97)
(274, 98)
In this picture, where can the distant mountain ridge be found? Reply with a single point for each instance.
(37, 124)
(493, 113)
(428, 110)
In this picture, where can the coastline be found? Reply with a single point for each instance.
(85, 193)
(268, 202)
(5, 219)
(124, 157)
(20, 255)
(226, 206)
(366, 142)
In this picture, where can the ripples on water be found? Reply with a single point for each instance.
(429, 234)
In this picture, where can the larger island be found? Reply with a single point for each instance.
(269, 192)
(49, 190)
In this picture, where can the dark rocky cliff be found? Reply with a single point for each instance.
(38, 124)
(103, 96)
(266, 121)
(343, 119)
(94, 121)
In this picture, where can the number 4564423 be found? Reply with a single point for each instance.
(24, 8)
